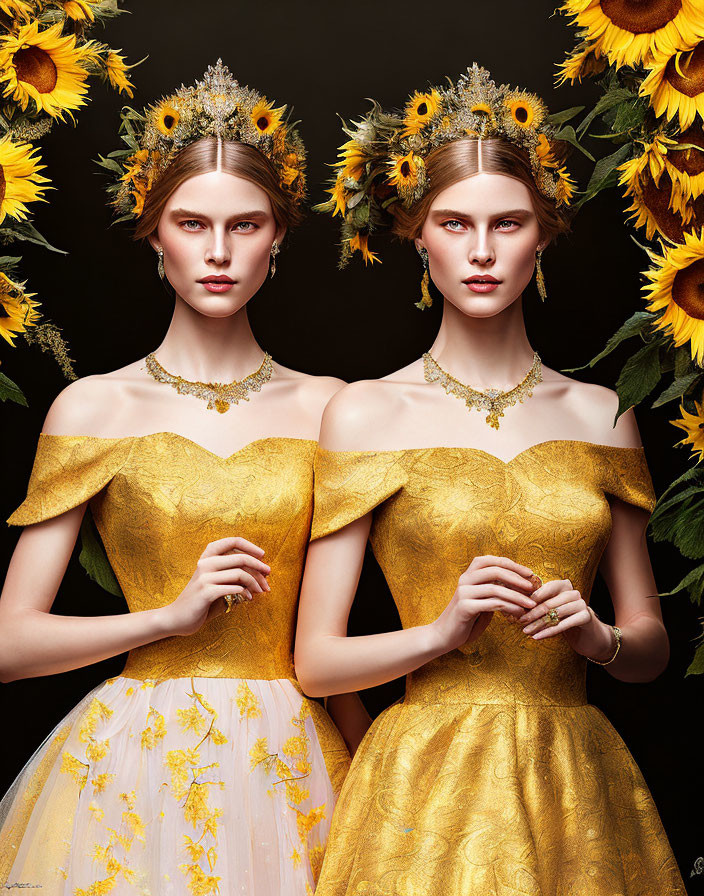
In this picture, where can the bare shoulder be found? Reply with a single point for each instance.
(593, 409)
(358, 413)
(309, 393)
(88, 405)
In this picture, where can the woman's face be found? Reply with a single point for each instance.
(482, 235)
(217, 226)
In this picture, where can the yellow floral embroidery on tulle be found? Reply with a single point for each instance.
(97, 750)
(186, 770)
(97, 712)
(246, 701)
(133, 828)
(74, 767)
(101, 781)
(155, 731)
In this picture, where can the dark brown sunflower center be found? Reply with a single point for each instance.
(521, 114)
(37, 68)
(262, 123)
(641, 16)
(656, 200)
(688, 289)
(422, 109)
(3, 185)
(405, 169)
(689, 160)
(692, 67)
(169, 121)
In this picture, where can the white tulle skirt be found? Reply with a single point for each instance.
(185, 786)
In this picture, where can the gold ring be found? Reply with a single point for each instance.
(552, 617)
(535, 581)
(232, 599)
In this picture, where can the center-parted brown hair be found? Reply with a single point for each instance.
(454, 161)
(201, 157)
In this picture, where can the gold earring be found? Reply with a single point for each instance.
(274, 252)
(426, 300)
(160, 263)
(539, 278)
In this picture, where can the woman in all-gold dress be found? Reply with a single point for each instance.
(201, 768)
(489, 517)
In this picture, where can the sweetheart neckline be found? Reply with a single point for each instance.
(488, 453)
(178, 435)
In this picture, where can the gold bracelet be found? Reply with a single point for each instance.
(617, 637)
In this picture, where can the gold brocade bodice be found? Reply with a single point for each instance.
(157, 501)
(435, 509)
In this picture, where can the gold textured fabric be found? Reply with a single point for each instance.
(494, 776)
(207, 738)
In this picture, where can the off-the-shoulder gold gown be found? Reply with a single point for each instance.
(202, 768)
(494, 776)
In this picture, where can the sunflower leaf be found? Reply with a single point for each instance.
(696, 667)
(558, 118)
(628, 116)
(10, 390)
(604, 174)
(613, 97)
(94, 560)
(676, 389)
(24, 230)
(568, 135)
(693, 582)
(638, 378)
(634, 326)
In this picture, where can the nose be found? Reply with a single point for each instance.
(481, 251)
(218, 251)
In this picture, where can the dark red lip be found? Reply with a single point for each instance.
(220, 278)
(481, 278)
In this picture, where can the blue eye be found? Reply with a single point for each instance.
(453, 221)
(191, 221)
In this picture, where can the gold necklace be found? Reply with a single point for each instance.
(492, 400)
(218, 395)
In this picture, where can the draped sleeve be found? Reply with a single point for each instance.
(67, 471)
(349, 484)
(624, 474)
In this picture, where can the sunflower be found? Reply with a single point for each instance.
(17, 310)
(359, 243)
(583, 63)
(265, 117)
(631, 32)
(80, 10)
(352, 160)
(565, 187)
(339, 194)
(165, 117)
(16, 8)
(407, 174)
(116, 70)
(420, 109)
(675, 84)
(20, 181)
(686, 166)
(677, 288)
(44, 67)
(693, 425)
(526, 109)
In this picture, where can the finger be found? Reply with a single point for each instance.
(230, 560)
(238, 577)
(573, 621)
(564, 611)
(489, 591)
(220, 591)
(233, 543)
(490, 560)
(500, 576)
(265, 586)
(551, 603)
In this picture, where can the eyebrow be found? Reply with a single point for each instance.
(453, 213)
(184, 212)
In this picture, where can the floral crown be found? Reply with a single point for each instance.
(383, 162)
(216, 106)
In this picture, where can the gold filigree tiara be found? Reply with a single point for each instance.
(217, 105)
(384, 160)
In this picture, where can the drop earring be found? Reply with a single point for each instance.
(539, 278)
(426, 300)
(274, 252)
(160, 263)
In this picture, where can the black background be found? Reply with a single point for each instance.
(322, 59)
